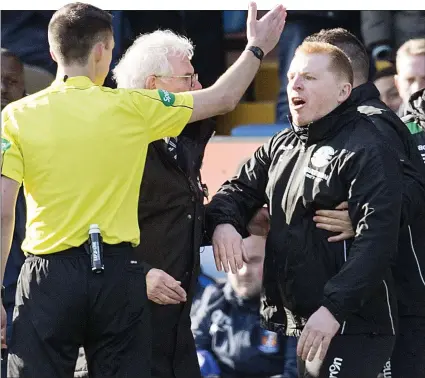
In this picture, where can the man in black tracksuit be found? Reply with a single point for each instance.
(300, 170)
(408, 358)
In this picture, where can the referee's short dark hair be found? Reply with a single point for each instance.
(74, 30)
(348, 43)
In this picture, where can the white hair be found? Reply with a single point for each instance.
(148, 55)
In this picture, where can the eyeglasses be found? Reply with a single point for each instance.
(193, 78)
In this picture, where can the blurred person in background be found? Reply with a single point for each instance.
(410, 76)
(25, 33)
(384, 82)
(12, 89)
(12, 78)
(229, 340)
(384, 31)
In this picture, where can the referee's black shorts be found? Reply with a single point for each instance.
(61, 304)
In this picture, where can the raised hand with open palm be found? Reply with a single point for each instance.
(265, 32)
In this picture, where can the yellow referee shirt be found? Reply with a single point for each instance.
(80, 151)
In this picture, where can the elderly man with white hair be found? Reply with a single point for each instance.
(170, 203)
(171, 200)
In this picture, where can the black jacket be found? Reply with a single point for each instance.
(171, 220)
(409, 267)
(228, 327)
(338, 157)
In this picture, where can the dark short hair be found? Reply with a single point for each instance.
(348, 43)
(74, 30)
(5, 53)
(389, 71)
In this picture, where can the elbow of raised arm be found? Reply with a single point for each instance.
(228, 103)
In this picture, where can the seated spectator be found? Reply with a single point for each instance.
(12, 89)
(410, 76)
(226, 326)
(384, 81)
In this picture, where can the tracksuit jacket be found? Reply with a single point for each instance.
(300, 170)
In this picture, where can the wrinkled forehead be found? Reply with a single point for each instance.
(313, 63)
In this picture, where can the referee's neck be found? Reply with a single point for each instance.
(73, 71)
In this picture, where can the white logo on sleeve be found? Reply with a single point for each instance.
(369, 110)
(322, 156)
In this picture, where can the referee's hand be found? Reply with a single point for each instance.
(164, 289)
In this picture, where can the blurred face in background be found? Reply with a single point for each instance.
(388, 92)
(12, 80)
(247, 281)
(410, 77)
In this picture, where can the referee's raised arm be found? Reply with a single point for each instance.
(224, 95)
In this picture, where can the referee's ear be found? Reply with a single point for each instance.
(151, 82)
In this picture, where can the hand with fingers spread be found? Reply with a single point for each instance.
(318, 332)
(164, 289)
(336, 220)
(228, 248)
(260, 223)
(265, 33)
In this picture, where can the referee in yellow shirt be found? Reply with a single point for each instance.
(79, 149)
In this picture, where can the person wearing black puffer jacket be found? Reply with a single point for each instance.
(408, 358)
(335, 296)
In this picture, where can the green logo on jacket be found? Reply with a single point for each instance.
(5, 145)
(167, 98)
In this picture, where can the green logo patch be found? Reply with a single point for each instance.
(167, 98)
(5, 145)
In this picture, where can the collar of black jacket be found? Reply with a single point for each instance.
(364, 92)
(327, 126)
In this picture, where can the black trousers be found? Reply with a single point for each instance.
(351, 356)
(61, 304)
(408, 358)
